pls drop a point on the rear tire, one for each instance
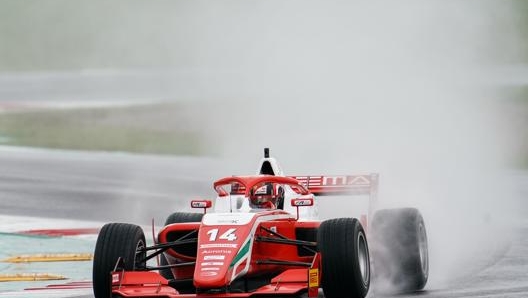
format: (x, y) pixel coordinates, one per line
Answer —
(345, 258)
(116, 240)
(399, 250)
(178, 217)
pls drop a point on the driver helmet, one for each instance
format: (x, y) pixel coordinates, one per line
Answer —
(263, 198)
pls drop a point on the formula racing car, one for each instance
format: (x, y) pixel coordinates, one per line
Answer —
(264, 239)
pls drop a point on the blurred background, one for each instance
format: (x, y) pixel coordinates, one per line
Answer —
(301, 71)
(431, 95)
(271, 65)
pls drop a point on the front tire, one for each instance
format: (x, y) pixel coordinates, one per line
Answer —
(345, 258)
(399, 250)
(116, 240)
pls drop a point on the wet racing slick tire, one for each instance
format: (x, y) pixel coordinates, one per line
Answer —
(116, 240)
(178, 217)
(399, 250)
(344, 257)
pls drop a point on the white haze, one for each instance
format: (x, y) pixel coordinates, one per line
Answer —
(398, 88)
(401, 88)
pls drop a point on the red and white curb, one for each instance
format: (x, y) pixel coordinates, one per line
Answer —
(33, 236)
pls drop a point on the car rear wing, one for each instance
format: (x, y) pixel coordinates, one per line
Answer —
(340, 185)
(344, 185)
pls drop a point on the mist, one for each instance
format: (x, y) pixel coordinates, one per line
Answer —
(403, 90)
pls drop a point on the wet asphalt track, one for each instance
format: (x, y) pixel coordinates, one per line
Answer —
(100, 186)
(120, 187)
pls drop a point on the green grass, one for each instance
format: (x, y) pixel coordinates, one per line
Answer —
(157, 129)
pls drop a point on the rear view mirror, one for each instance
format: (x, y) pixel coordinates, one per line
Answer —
(201, 204)
(301, 202)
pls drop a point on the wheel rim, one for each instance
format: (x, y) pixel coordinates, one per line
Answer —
(363, 258)
(422, 245)
(140, 254)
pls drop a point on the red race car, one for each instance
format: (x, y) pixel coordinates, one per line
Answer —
(264, 239)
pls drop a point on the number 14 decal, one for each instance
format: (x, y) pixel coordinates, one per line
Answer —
(229, 235)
